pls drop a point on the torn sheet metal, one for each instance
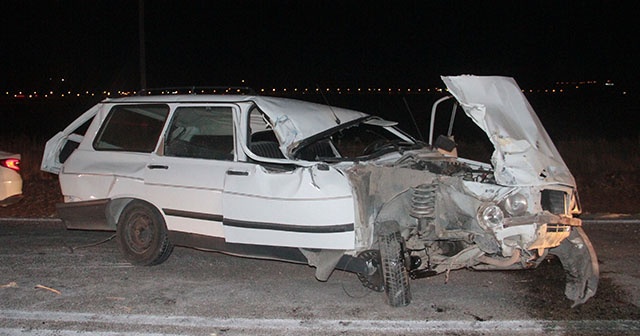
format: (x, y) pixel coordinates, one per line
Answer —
(294, 121)
(524, 153)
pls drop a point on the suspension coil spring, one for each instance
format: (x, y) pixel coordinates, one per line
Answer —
(423, 201)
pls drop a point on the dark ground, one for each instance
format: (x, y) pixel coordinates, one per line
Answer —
(92, 277)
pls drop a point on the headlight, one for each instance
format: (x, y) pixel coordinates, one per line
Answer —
(491, 216)
(516, 205)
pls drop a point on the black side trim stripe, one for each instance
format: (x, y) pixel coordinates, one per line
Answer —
(289, 227)
(192, 215)
(259, 225)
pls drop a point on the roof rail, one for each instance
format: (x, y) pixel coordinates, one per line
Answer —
(195, 90)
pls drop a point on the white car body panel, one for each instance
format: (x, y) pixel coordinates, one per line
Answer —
(189, 185)
(89, 175)
(307, 200)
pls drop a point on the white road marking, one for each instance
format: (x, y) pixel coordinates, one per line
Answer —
(319, 325)
(49, 332)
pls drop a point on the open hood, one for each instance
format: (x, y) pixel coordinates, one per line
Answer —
(524, 153)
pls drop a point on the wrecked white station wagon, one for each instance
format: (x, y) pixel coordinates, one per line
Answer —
(283, 179)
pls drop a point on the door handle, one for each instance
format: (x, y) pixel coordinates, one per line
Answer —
(237, 173)
(157, 166)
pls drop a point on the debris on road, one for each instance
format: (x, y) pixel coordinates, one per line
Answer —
(48, 288)
(12, 284)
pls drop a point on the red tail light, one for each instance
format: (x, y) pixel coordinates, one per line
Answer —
(11, 164)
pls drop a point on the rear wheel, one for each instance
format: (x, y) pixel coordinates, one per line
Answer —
(142, 235)
(394, 271)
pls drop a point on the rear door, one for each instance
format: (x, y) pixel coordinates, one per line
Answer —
(110, 159)
(185, 178)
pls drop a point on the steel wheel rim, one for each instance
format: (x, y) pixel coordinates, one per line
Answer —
(140, 233)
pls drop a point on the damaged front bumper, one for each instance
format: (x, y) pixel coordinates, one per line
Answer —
(557, 235)
(580, 264)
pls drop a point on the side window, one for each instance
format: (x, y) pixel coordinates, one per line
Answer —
(204, 132)
(132, 128)
(262, 140)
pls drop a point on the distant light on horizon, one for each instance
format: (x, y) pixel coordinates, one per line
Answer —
(557, 88)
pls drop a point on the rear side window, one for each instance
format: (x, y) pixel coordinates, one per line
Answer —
(132, 128)
(203, 132)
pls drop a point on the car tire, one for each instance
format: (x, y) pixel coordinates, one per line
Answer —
(394, 270)
(142, 235)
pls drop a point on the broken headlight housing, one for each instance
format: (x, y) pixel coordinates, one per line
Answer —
(490, 216)
(516, 205)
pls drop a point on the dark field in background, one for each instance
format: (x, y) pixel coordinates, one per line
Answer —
(596, 131)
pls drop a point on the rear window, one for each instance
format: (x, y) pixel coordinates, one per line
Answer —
(132, 128)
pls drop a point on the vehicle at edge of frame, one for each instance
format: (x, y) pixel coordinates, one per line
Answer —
(10, 179)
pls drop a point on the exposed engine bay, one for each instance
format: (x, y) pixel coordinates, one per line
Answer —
(458, 217)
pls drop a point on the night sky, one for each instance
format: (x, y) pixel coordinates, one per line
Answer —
(95, 44)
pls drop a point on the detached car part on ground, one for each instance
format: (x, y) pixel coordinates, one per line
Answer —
(10, 179)
(333, 188)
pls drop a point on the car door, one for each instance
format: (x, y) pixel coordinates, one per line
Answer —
(274, 201)
(185, 178)
(109, 161)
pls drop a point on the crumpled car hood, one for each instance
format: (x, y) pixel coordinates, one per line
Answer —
(294, 121)
(524, 153)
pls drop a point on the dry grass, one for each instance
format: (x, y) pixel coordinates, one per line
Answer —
(607, 173)
(586, 156)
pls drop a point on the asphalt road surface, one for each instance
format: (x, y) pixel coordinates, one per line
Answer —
(59, 282)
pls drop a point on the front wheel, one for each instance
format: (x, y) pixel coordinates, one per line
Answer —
(142, 235)
(394, 271)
